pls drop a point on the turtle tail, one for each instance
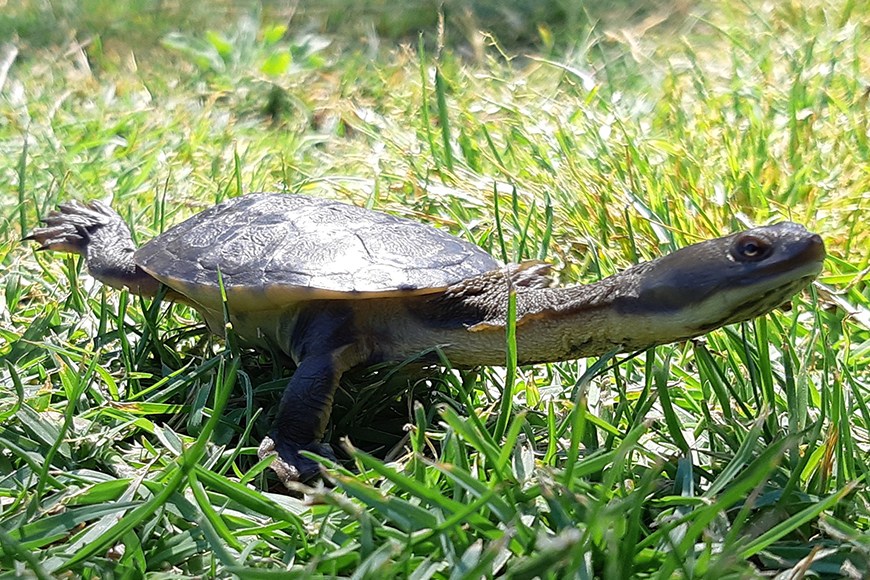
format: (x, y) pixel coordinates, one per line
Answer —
(98, 233)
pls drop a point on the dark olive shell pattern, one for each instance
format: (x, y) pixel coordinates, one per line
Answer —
(294, 247)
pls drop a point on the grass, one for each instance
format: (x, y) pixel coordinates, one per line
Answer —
(128, 436)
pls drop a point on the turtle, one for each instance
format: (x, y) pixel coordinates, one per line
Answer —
(336, 287)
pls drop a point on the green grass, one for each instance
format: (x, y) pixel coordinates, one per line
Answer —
(128, 434)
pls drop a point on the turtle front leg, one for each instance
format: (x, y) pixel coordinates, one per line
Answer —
(304, 413)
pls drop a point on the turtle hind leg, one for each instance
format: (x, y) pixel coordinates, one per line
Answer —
(98, 233)
(289, 464)
(304, 412)
(68, 228)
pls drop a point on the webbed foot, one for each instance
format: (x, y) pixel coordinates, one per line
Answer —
(290, 465)
(67, 229)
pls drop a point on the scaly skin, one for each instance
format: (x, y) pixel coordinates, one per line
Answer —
(678, 296)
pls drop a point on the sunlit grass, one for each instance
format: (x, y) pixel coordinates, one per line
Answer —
(742, 453)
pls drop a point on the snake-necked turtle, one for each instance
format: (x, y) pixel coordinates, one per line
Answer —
(337, 286)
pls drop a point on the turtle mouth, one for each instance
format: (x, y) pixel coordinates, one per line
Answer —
(762, 288)
(699, 292)
(804, 260)
(780, 279)
(760, 304)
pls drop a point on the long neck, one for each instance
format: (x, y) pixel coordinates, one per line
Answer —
(677, 296)
(556, 324)
(552, 323)
(567, 323)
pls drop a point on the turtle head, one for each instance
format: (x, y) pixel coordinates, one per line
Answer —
(725, 280)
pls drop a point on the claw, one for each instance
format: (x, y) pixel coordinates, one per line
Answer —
(67, 228)
(289, 465)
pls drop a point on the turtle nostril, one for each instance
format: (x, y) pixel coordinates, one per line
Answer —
(816, 247)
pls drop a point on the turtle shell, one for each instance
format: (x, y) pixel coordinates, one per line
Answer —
(273, 250)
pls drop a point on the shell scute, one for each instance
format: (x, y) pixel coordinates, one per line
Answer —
(274, 249)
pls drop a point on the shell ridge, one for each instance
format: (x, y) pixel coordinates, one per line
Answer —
(285, 248)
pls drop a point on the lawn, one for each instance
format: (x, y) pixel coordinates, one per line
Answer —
(591, 137)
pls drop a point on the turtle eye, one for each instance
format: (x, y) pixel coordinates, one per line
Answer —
(750, 248)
